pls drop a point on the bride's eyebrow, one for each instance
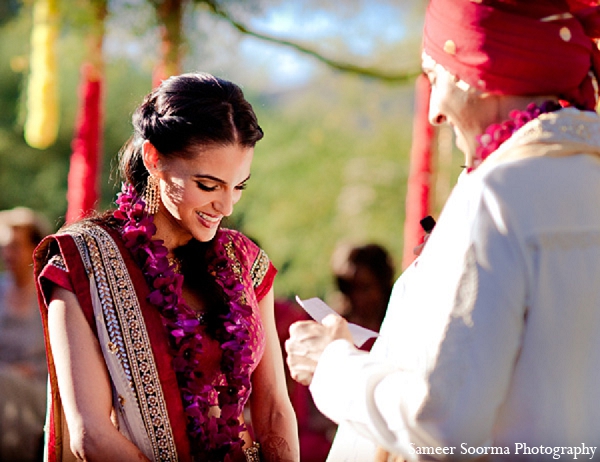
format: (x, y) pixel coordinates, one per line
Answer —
(209, 177)
(215, 179)
(246, 179)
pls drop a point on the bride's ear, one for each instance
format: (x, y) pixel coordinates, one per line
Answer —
(150, 157)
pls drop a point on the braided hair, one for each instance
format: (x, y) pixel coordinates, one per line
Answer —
(186, 111)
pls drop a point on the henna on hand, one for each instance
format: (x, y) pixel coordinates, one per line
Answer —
(274, 448)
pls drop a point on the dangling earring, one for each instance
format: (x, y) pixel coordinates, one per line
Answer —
(151, 195)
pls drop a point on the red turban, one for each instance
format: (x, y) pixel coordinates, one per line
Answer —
(518, 47)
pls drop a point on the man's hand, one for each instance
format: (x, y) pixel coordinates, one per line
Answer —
(307, 341)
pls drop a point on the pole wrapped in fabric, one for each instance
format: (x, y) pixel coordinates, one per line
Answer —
(82, 193)
(419, 180)
(84, 173)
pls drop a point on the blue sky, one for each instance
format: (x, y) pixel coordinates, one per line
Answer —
(293, 21)
(361, 32)
(352, 30)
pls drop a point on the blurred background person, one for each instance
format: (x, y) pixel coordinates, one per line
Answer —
(364, 276)
(23, 371)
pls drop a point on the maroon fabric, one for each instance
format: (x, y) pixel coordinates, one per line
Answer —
(518, 48)
(162, 355)
(248, 253)
(79, 282)
(76, 280)
(52, 274)
(73, 279)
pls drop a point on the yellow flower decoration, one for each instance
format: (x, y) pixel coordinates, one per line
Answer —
(41, 125)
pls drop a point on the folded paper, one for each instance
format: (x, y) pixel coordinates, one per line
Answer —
(318, 309)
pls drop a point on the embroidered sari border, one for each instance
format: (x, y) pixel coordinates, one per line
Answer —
(128, 341)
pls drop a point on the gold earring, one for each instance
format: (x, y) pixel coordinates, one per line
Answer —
(151, 195)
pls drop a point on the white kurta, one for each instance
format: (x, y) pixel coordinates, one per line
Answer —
(493, 337)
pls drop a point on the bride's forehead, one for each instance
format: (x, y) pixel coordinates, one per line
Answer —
(218, 158)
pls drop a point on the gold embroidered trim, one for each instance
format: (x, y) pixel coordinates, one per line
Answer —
(83, 252)
(58, 262)
(236, 266)
(259, 268)
(128, 336)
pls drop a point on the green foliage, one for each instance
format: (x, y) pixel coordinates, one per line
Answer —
(8, 9)
(38, 178)
(333, 164)
(27, 176)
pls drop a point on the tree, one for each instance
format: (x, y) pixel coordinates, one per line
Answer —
(325, 140)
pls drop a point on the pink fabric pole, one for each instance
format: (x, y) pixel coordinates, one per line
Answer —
(82, 192)
(419, 180)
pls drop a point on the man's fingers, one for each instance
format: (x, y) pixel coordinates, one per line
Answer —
(301, 329)
(300, 364)
(306, 343)
(337, 328)
(333, 320)
(294, 347)
(302, 377)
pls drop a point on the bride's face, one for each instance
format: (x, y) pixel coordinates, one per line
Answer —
(198, 192)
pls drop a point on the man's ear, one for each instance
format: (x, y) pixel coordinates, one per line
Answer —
(150, 157)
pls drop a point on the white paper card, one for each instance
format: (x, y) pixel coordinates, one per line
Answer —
(318, 309)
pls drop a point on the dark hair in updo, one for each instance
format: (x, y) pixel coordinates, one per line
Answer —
(183, 112)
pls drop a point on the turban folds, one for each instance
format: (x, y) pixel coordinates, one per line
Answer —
(518, 47)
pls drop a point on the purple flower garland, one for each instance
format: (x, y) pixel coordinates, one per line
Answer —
(212, 438)
(496, 134)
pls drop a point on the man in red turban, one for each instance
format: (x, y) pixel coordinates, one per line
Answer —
(515, 47)
(541, 51)
(491, 343)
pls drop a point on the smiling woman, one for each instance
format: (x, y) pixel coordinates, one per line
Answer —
(197, 193)
(159, 322)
